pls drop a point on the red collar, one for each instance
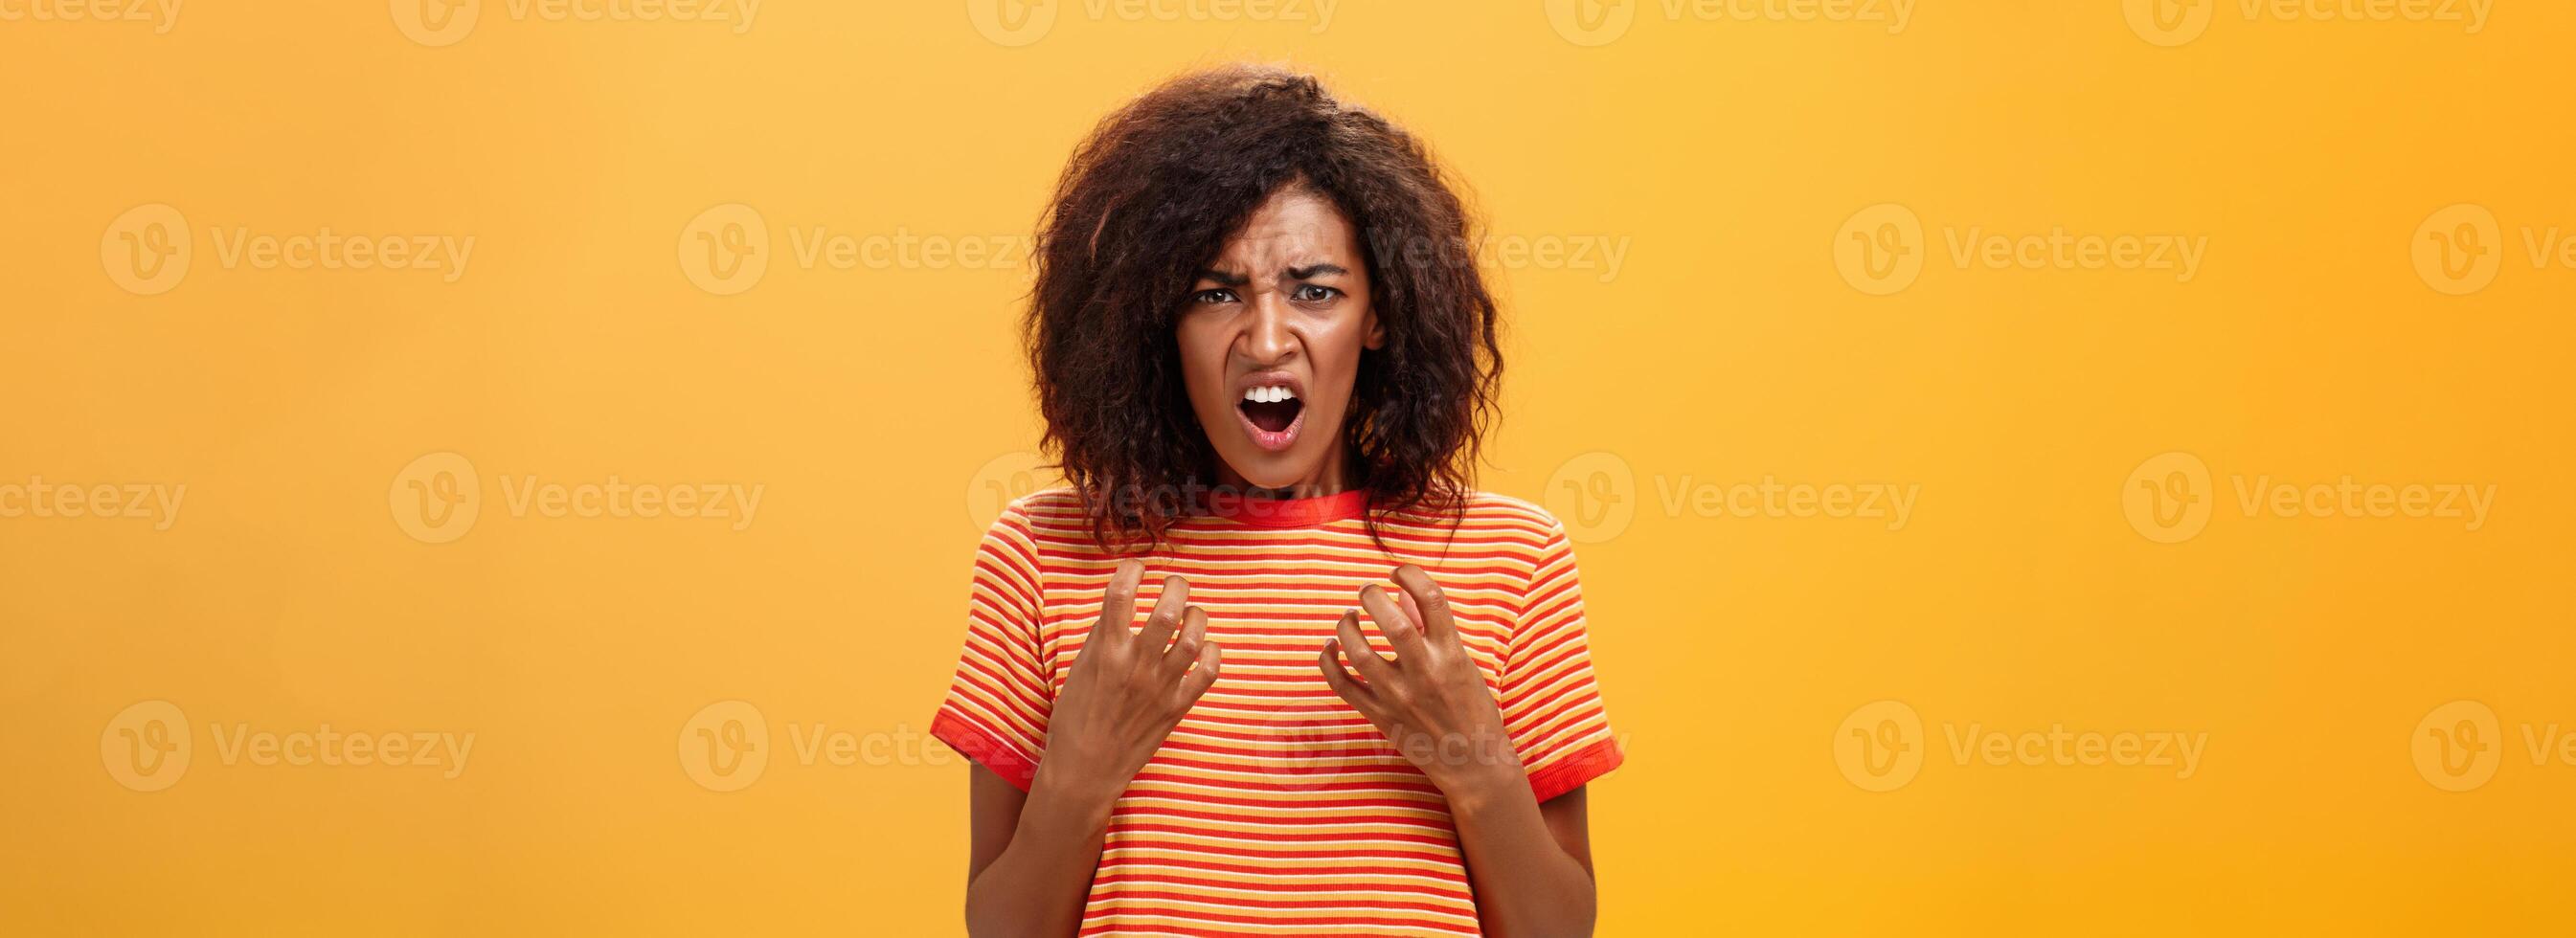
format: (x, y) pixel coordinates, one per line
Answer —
(1293, 512)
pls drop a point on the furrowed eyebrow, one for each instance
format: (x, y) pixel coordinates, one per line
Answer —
(1311, 272)
(1223, 278)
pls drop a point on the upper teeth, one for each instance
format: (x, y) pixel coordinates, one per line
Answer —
(1269, 395)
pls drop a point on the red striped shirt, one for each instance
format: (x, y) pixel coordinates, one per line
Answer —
(1275, 808)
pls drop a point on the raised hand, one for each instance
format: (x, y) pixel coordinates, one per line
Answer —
(1128, 688)
(1430, 700)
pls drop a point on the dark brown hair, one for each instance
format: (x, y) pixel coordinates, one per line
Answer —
(1151, 196)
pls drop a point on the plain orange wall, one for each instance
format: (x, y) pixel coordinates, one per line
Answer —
(1741, 244)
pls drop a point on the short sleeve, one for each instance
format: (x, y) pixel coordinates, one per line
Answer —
(1551, 705)
(998, 702)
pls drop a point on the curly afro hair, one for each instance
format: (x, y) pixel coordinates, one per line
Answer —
(1151, 196)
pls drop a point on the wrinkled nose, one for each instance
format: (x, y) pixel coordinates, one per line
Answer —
(1267, 340)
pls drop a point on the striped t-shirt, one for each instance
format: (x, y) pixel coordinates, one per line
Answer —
(1275, 808)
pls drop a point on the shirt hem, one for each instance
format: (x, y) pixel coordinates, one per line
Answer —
(984, 748)
(1572, 772)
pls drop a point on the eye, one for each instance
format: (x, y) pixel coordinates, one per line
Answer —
(1314, 293)
(1212, 297)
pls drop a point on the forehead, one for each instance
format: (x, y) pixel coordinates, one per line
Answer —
(1292, 227)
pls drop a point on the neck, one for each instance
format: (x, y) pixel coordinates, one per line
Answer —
(1332, 476)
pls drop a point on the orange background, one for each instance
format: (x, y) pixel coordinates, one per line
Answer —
(1728, 152)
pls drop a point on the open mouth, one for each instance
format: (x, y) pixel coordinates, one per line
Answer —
(1273, 412)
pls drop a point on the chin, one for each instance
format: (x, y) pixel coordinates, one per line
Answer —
(1273, 470)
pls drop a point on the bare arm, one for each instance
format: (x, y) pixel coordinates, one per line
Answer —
(1530, 863)
(1033, 854)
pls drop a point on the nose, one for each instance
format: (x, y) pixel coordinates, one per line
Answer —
(1267, 338)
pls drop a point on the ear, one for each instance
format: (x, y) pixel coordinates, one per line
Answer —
(1376, 333)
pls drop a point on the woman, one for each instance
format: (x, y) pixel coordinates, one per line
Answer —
(1359, 699)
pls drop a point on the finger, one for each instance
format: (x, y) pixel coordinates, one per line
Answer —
(1429, 605)
(1185, 649)
(1117, 603)
(1373, 669)
(1400, 630)
(1350, 689)
(1203, 673)
(1167, 615)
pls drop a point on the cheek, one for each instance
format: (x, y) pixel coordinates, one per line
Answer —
(1337, 349)
(1202, 357)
